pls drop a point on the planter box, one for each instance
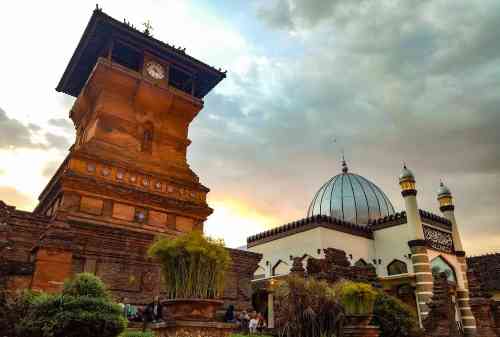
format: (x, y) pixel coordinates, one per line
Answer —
(193, 329)
(191, 309)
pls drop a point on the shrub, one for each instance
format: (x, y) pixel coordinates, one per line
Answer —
(193, 266)
(12, 309)
(394, 318)
(357, 298)
(83, 309)
(307, 308)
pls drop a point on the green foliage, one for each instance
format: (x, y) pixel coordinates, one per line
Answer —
(12, 309)
(137, 334)
(395, 318)
(83, 309)
(307, 308)
(85, 284)
(239, 335)
(356, 298)
(193, 266)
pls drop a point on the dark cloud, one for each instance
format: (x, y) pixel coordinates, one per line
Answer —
(14, 134)
(57, 141)
(391, 81)
(62, 123)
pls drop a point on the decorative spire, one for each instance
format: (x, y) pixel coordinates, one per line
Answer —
(147, 28)
(345, 169)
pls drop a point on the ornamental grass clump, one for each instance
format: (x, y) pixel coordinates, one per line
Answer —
(307, 308)
(193, 266)
(356, 298)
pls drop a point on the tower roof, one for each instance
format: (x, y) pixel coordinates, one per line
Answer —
(103, 31)
(406, 174)
(351, 197)
(443, 190)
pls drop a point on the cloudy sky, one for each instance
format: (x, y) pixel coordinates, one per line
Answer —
(390, 81)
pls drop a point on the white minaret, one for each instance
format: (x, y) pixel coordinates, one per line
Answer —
(409, 192)
(446, 206)
(448, 209)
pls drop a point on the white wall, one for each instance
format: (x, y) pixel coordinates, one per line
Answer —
(357, 246)
(298, 244)
(308, 243)
(392, 243)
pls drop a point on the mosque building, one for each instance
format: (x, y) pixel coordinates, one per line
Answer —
(352, 214)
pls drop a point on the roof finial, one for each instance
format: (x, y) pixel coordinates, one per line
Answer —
(344, 164)
(147, 28)
(404, 164)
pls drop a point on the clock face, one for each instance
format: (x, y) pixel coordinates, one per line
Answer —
(155, 70)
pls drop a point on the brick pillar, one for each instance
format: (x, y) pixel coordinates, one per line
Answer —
(53, 258)
(466, 315)
(423, 276)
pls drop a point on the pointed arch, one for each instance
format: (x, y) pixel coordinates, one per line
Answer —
(397, 267)
(440, 264)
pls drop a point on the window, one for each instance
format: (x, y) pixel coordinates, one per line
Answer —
(440, 265)
(397, 267)
(147, 138)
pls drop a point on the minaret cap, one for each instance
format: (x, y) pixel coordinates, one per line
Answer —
(407, 182)
(445, 198)
(406, 175)
(443, 191)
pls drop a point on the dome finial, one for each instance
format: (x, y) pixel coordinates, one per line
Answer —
(344, 164)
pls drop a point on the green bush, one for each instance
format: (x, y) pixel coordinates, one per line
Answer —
(83, 309)
(357, 298)
(137, 334)
(307, 308)
(193, 266)
(395, 318)
(12, 309)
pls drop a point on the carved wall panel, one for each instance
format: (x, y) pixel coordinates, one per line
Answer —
(438, 239)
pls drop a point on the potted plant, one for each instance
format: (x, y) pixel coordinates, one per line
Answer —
(193, 270)
(358, 300)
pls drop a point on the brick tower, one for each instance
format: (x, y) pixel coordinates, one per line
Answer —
(135, 99)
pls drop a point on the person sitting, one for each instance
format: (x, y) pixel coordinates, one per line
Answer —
(261, 324)
(252, 325)
(244, 320)
(153, 311)
(229, 317)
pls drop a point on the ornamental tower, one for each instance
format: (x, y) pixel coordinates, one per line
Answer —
(446, 205)
(135, 99)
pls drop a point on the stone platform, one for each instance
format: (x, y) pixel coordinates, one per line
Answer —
(192, 329)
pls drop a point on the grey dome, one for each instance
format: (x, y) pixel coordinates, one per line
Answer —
(350, 197)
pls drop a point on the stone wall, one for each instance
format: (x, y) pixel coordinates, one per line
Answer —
(117, 255)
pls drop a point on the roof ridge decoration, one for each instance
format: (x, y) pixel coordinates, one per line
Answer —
(431, 216)
(316, 219)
